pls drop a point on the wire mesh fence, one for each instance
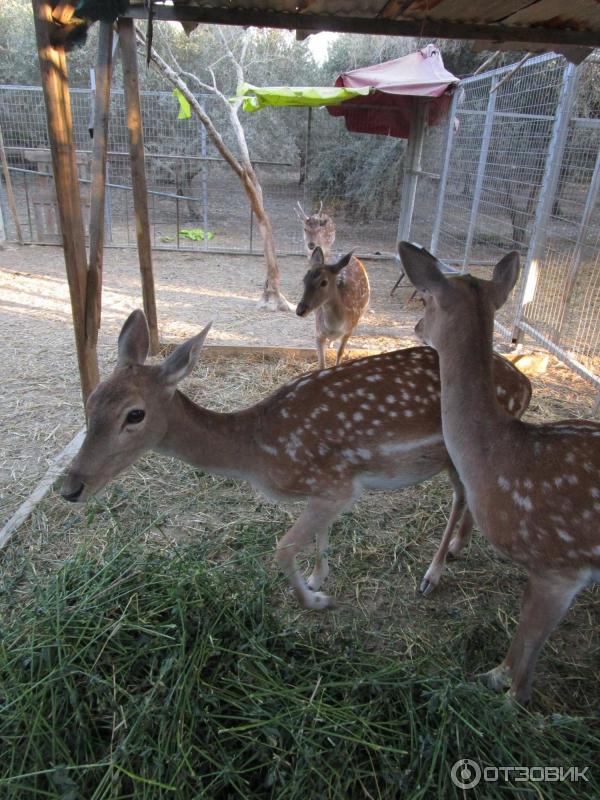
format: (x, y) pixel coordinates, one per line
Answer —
(516, 166)
(521, 171)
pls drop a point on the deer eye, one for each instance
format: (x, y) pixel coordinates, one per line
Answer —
(135, 416)
(323, 283)
(322, 222)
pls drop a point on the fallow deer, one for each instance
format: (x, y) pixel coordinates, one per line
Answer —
(338, 293)
(319, 230)
(534, 490)
(325, 437)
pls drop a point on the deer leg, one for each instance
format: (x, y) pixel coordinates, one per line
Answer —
(546, 600)
(314, 521)
(321, 568)
(321, 346)
(463, 537)
(340, 349)
(435, 569)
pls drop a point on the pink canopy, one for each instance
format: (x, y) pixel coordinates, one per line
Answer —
(397, 83)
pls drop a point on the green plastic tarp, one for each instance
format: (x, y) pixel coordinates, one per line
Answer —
(257, 97)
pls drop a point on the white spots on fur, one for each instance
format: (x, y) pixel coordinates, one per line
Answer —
(572, 480)
(390, 399)
(408, 413)
(522, 501)
(500, 391)
(373, 378)
(558, 482)
(570, 458)
(294, 444)
(272, 451)
(358, 416)
(511, 404)
(566, 537)
(284, 413)
(595, 492)
(503, 483)
(341, 415)
(393, 414)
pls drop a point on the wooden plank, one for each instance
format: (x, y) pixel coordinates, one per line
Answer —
(127, 43)
(424, 28)
(9, 190)
(53, 67)
(93, 300)
(42, 489)
(302, 353)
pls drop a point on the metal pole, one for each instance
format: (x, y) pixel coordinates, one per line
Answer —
(204, 184)
(307, 155)
(483, 154)
(435, 234)
(412, 166)
(554, 159)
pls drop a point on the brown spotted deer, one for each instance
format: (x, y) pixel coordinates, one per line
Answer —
(325, 437)
(338, 293)
(534, 490)
(319, 230)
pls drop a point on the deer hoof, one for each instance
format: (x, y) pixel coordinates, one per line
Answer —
(496, 679)
(427, 586)
(319, 601)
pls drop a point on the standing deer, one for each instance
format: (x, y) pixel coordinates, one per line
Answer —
(338, 293)
(325, 437)
(534, 490)
(319, 230)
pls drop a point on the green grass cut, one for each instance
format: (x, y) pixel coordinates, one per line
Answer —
(143, 674)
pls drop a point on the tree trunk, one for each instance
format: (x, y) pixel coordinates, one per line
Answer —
(272, 298)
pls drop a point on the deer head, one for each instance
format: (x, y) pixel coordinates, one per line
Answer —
(457, 296)
(319, 230)
(127, 412)
(320, 282)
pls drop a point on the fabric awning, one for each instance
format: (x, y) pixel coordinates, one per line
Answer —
(395, 84)
(257, 97)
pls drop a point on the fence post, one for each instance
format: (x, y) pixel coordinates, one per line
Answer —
(590, 202)
(412, 166)
(127, 43)
(481, 166)
(546, 197)
(437, 223)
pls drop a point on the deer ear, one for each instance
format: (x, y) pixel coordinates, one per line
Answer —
(339, 265)
(506, 273)
(183, 359)
(422, 268)
(317, 259)
(134, 340)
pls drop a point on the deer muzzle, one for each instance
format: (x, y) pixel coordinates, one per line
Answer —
(301, 309)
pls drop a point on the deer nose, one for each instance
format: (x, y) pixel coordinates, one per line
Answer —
(301, 309)
(72, 494)
(311, 245)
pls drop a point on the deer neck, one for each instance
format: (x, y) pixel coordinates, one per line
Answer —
(471, 416)
(215, 442)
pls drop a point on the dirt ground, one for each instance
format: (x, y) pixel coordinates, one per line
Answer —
(40, 408)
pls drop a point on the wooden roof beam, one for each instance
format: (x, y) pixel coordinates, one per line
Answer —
(439, 29)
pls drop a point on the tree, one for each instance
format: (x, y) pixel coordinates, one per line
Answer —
(272, 297)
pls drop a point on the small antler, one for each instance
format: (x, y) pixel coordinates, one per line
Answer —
(303, 216)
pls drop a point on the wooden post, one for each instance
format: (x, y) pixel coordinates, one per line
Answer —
(127, 43)
(53, 67)
(93, 302)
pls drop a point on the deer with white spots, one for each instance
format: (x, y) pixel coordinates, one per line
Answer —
(325, 437)
(534, 490)
(318, 229)
(338, 293)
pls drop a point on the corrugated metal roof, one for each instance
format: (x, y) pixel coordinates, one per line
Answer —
(545, 22)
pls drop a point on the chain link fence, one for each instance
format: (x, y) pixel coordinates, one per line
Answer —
(516, 166)
(520, 169)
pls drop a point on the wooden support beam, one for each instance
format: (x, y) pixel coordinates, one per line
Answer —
(53, 67)
(224, 14)
(127, 42)
(93, 301)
